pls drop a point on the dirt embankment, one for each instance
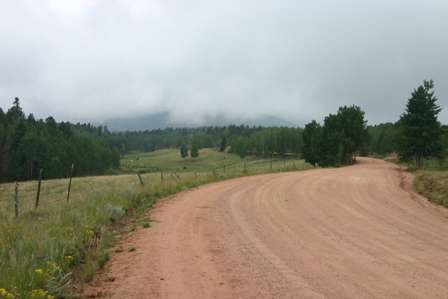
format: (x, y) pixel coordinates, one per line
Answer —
(351, 232)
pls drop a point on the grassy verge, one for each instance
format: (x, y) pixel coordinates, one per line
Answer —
(433, 184)
(431, 181)
(43, 251)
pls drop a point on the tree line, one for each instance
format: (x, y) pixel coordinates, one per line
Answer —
(28, 145)
(151, 140)
(416, 136)
(269, 142)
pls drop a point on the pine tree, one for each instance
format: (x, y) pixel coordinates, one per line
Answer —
(15, 113)
(342, 135)
(420, 130)
(353, 129)
(183, 151)
(311, 142)
(27, 144)
(194, 152)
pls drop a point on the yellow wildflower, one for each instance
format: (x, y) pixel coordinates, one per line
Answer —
(40, 294)
(68, 258)
(53, 267)
(39, 271)
(4, 294)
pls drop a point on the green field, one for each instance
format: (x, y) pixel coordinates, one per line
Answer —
(168, 161)
(43, 251)
(208, 160)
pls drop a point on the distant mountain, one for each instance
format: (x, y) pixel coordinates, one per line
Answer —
(163, 120)
(140, 123)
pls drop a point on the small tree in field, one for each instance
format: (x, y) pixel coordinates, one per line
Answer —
(194, 152)
(183, 151)
(420, 131)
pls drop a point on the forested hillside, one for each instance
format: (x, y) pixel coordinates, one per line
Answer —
(28, 145)
(242, 140)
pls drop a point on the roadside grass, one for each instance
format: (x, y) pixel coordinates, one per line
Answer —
(431, 180)
(433, 184)
(43, 251)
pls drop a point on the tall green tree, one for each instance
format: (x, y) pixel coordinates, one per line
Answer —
(311, 142)
(194, 151)
(183, 150)
(420, 130)
(337, 142)
(3, 144)
(353, 129)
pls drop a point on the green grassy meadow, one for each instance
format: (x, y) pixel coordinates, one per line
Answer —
(44, 252)
(208, 160)
(170, 160)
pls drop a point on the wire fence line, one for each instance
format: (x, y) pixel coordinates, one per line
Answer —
(21, 197)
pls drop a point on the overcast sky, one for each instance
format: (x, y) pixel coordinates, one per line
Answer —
(299, 60)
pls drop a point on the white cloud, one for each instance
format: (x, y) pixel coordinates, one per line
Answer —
(295, 59)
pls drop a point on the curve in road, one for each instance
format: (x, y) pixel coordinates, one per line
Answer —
(352, 232)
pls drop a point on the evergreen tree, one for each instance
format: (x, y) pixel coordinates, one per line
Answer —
(15, 113)
(336, 143)
(194, 152)
(353, 131)
(311, 142)
(183, 150)
(27, 144)
(3, 144)
(331, 146)
(420, 130)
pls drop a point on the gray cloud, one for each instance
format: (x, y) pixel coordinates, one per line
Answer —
(91, 60)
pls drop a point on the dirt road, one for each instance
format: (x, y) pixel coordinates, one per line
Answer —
(351, 232)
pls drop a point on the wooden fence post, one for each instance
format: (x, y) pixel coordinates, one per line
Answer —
(70, 182)
(161, 176)
(16, 199)
(140, 179)
(38, 189)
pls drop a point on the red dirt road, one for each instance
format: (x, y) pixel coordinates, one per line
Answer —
(352, 232)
